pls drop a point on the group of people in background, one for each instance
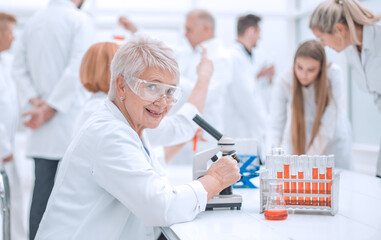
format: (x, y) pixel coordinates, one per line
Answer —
(74, 92)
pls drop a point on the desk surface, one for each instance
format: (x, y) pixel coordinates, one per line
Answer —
(359, 215)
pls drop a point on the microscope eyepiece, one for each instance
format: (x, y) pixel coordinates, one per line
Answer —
(207, 127)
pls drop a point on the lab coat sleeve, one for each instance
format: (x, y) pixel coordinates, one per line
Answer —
(175, 129)
(5, 145)
(21, 74)
(123, 170)
(64, 92)
(328, 123)
(281, 95)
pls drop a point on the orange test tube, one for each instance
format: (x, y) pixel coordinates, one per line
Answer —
(315, 176)
(308, 176)
(294, 168)
(322, 165)
(301, 160)
(286, 175)
(330, 164)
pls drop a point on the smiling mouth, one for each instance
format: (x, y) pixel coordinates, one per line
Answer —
(152, 112)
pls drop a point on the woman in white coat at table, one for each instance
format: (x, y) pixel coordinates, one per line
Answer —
(307, 114)
(110, 184)
(344, 25)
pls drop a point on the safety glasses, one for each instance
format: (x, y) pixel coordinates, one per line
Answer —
(154, 91)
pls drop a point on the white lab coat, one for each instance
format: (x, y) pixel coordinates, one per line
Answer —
(8, 108)
(245, 112)
(109, 187)
(17, 169)
(334, 136)
(366, 69)
(174, 129)
(216, 99)
(47, 65)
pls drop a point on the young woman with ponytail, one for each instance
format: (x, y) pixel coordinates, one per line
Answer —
(307, 114)
(345, 25)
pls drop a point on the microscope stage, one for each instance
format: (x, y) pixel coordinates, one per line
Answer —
(225, 201)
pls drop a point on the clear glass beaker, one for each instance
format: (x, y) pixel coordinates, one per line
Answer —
(275, 206)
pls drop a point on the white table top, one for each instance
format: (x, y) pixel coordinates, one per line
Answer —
(359, 215)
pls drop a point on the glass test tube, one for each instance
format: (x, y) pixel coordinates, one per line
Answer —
(308, 176)
(294, 169)
(286, 175)
(330, 165)
(315, 176)
(301, 160)
(279, 167)
(322, 166)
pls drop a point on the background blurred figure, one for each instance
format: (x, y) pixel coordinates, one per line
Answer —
(9, 118)
(95, 77)
(245, 107)
(307, 109)
(199, 29)
(46, 68)
(344, 25)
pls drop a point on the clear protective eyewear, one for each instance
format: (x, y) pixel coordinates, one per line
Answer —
(154, 91)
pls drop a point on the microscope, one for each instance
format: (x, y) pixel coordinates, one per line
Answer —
(225, 145)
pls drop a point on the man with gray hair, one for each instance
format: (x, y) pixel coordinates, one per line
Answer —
(46, 72)
(200, 31)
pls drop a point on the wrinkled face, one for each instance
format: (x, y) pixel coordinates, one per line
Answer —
(334, 41)
(6, 37)
(306, 70)
(194, 31)
(148, 114)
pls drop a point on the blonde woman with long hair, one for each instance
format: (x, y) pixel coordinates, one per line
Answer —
(345, 25)
(307, 114)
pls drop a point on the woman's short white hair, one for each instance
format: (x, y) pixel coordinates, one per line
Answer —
(138, 55)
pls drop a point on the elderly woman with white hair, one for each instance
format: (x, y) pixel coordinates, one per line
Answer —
(109, 184)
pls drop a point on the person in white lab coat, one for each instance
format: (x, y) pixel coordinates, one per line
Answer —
(307, 114)
(245, 109)
(344, 25)
(95, 77)
(45, 70)
(109, 184)
(199, 27)
(9, 117)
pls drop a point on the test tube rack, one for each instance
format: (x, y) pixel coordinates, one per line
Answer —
(334, 195)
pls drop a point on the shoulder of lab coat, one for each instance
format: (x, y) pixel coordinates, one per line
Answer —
(108, 153)
(67, 86)
(175, 129)
(281, 97)
(8, 107)
(366, 70)
(91, 105)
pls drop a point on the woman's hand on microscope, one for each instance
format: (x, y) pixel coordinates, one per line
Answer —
(220, 175)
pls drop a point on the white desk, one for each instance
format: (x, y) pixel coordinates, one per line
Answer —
(359, 215)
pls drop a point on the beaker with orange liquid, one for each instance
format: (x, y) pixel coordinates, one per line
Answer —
(275, 209)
